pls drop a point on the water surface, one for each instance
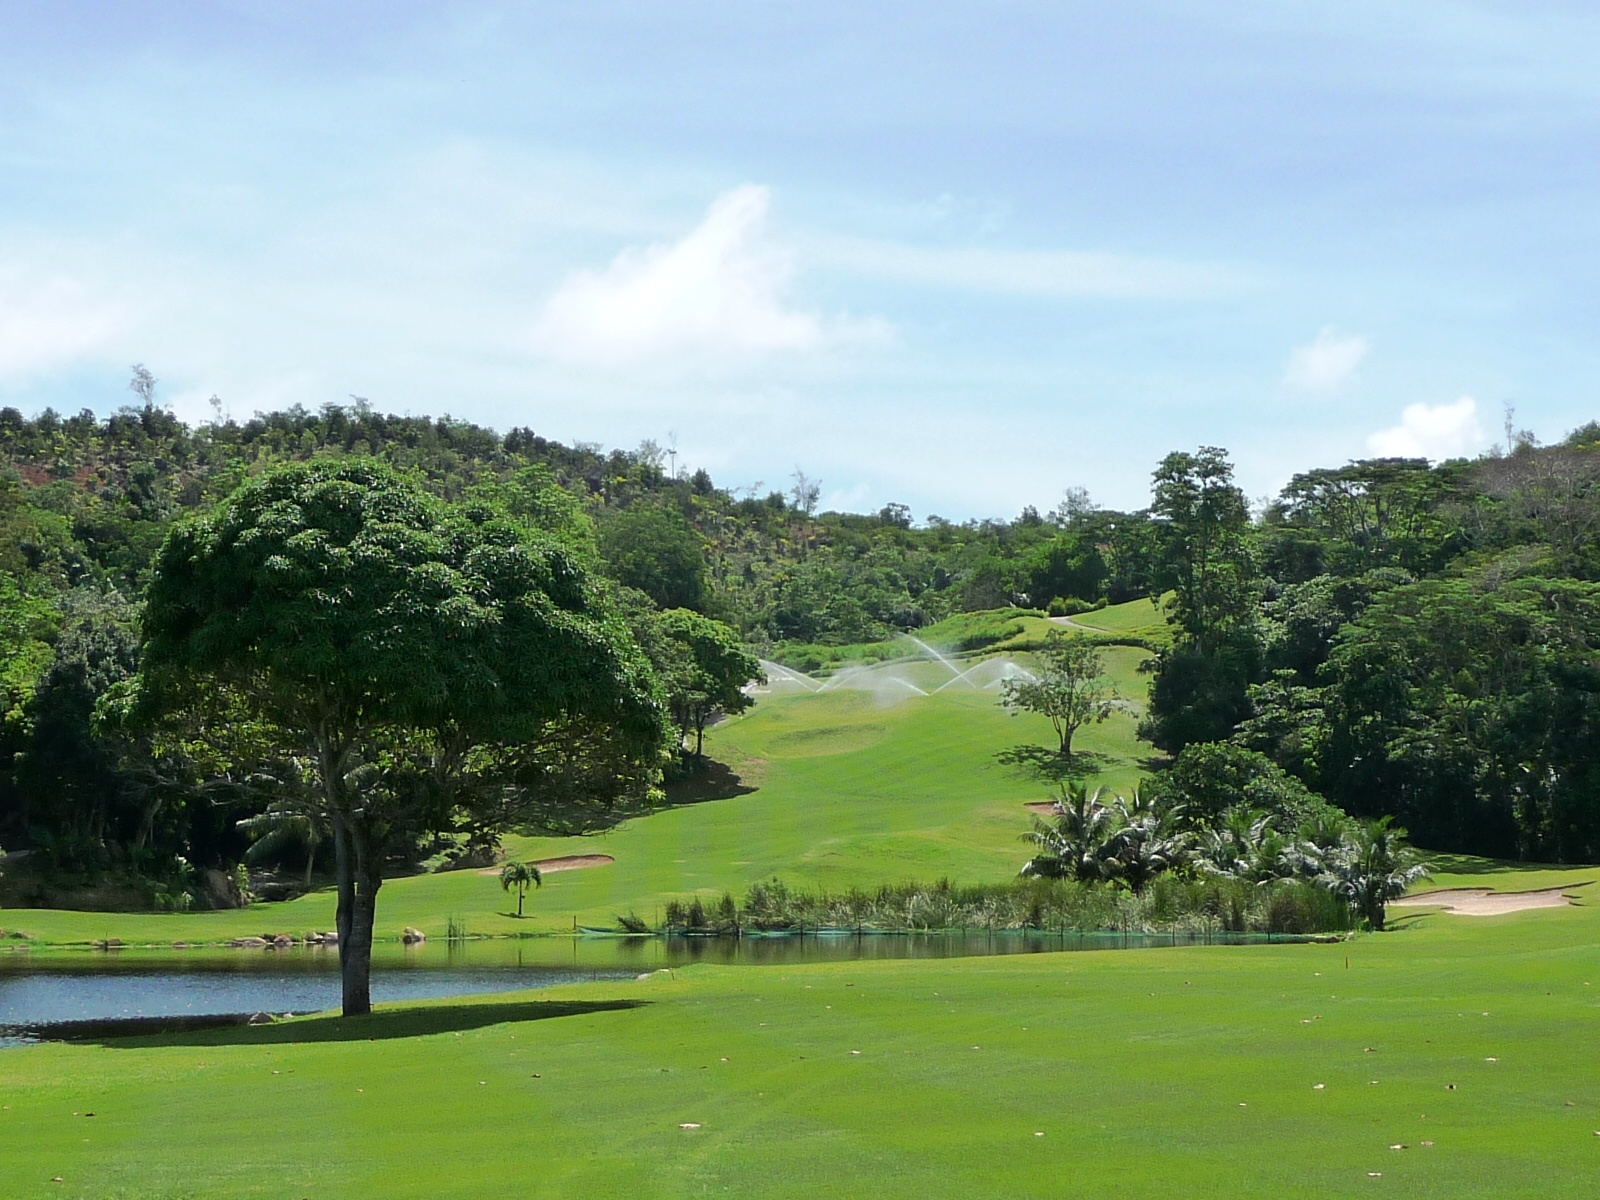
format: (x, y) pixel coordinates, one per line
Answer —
(56, 986)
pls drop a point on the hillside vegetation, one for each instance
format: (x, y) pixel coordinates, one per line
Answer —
(1398, 638)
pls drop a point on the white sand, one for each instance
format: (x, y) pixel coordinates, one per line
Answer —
(567, 862)
(1485, 902)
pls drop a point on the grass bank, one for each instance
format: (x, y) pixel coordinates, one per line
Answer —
(834, 790)
(1253, 1072)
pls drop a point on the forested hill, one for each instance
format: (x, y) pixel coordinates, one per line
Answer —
(1402, 638)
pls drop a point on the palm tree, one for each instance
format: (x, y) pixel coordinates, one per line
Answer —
(280, 826)
(1074, 844)
(1146, 841)
(1229, 847)
(1246, 844)
(1371, 866)
(520, 876)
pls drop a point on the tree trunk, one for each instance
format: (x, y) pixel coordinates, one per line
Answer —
(355, 950)
(147, 823)
(521, 892)
(345, 880)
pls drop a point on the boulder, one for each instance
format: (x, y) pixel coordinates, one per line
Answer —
(249, 943)
(412, 936)
(221, 889)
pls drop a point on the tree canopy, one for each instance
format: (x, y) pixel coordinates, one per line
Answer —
(406, 647)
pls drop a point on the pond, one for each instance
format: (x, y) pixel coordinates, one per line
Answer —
(51, 987)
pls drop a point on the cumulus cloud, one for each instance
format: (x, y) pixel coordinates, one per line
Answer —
(1327, 362)
(51, 321)
(716, 295)
(1436, 431)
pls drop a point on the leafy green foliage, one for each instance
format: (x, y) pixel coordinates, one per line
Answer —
(1468, 708)
(418, 655)
(1371, 866)
(705, 671)
(1209, 779)
(1070, 689)
(652, 548)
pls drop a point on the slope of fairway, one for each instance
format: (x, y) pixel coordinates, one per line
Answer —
(838, 788)
(1453, 1059)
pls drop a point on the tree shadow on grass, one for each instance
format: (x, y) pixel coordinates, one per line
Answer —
(386, 1024)
(1441, 863)
(1050, 766)
(712, 780)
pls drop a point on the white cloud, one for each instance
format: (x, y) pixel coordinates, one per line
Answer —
(714, 296)
(1327, 362)
(1436, 431)
(48, 322)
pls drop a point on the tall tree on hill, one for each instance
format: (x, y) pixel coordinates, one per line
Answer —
(1202, 525)
(708, 674)
(1070, 690)
(407, 648)
(652, 548)
(1383, 512)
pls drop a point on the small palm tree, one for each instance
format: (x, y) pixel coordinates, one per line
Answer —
(1145, 843)
(1371, 866)
(1074, 844)
(1246, 844)
(520, 876)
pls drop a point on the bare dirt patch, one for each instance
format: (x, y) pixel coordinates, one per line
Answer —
(1486, 902)
(1043, 807)
(567, 862)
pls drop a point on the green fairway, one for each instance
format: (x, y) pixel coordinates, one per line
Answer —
(1148, 1073)
(839, 788)
(1176, 1072)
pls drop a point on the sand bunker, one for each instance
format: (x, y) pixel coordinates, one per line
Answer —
(567, 862)
(1486, 902)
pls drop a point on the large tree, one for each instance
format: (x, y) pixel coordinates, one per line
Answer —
(708, 670)
(409, 649)
(1202, 523)
(653, 548)
(1202, 526)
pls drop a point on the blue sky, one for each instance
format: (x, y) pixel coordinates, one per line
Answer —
(957, 256)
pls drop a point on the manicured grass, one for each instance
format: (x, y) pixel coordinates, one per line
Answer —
(1163, 1073)
(1137, 617)
(849, 788)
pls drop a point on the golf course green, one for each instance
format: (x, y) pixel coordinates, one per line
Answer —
(853, 786)
(1239, 1072)
(1450, 1057)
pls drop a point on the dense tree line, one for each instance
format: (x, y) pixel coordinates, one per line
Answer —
(1405, 639)
(1397, 637)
